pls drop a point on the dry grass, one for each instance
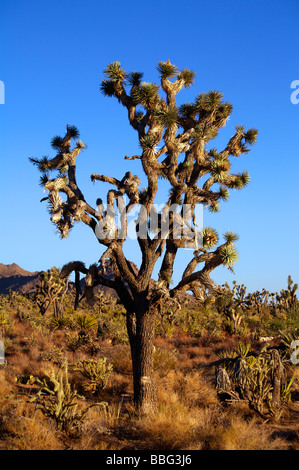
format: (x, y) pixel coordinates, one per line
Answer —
(189, 415)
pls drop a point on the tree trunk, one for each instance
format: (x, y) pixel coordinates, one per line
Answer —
(141, 329)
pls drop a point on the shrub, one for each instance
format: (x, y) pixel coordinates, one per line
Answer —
(96, 372)
(58, 401)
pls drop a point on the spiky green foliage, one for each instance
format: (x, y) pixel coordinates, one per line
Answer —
(223, 193)
(209, 237)
(214, 207)
(188, 76)
(73, 131)
(225, 109)
(56, 142)
(166, 69)
(97, 373)
(168, 117)
(146, 94)
(250, 136)
(43, 180)
(229, 255)
(58, 401)
(242, 180)
(134, 78)
(107, 88)
(42, 164)
(203, 132)
(209, 101)
(219, 168)
(231, 237)
(114, 72)
(86, 322)
(147, 143)
(187, 110)
(80, 144)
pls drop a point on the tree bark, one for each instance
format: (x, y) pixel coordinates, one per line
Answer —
(141, 329)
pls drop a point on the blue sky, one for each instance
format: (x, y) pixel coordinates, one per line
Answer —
(52, 59)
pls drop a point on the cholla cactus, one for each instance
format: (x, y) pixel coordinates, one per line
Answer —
(259, 379)
(58, 401)
(96, 371)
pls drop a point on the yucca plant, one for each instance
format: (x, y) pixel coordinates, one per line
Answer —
(60, 321)
(85, 321)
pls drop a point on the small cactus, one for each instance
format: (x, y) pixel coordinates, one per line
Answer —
(57, 400)
(97, 373)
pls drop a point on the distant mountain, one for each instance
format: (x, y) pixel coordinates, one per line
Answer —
(13, 277)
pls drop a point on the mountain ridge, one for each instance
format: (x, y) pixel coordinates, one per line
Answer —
(15, 278)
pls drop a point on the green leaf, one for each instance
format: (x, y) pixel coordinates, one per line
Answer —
(56, 142)
(231, 237)
(250, 136)
(241, 180)
(188, 76)
(225, 109)
(114, 72)
(44, 164)
(229, 255)
(223, 193)
(166, 69)
(134, 78)
(107, 88)
(147, 143)
(245, 178)
(43, 180)
(80, 145)
(168, 117)
(146, 94)
(73, 131)
(187, 110)
(209, 237)
(214, 207)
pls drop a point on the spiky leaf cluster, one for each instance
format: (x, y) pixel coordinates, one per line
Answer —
(209, 237)
(229, 255)
(231, 237)
(167, 117)
(146, 94)
(187, 76)
(167, 70)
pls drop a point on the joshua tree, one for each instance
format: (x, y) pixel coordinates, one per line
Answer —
(51, 291)
(173, 145)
